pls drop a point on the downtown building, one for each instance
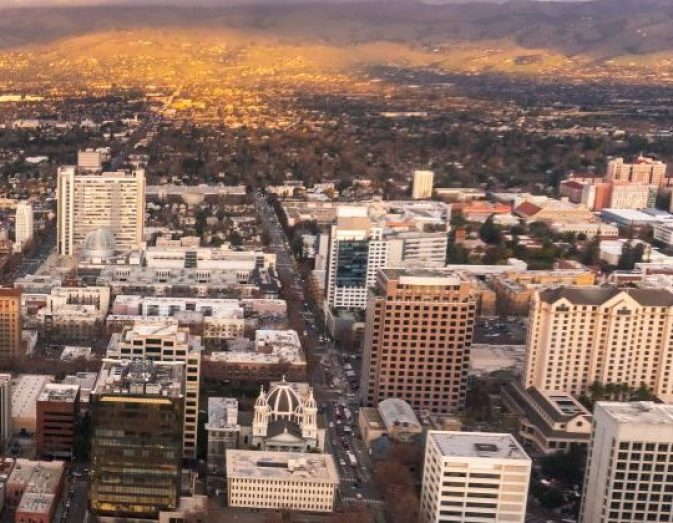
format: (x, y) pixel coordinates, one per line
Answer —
(166, 343)
(23, 225)
(361, 245)
(11, 323)
(136, 445)
(110, 204)
(472, 477)
(629, 473)
(418, 334)
(581, 335)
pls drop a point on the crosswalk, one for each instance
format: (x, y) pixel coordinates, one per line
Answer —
(363, 499)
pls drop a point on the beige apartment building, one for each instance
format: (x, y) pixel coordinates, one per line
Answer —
(643, 170)
(422, 185)
(90, 202)
(166, 343)
(417, 339)
(10, 323)
(579, 335)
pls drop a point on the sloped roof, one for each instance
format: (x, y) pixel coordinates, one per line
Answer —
(599, 295)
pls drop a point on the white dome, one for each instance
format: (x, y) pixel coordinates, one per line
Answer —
(100, 243)
(284, 401)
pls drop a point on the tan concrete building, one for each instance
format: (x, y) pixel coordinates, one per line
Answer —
(643, 170)
(113, 201)
(417, 340)
(281, 480)
(579, 335)
(422, 185)
(10, 323)
(166, 343)
(515, 290)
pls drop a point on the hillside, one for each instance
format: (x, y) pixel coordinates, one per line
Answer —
(314, 44)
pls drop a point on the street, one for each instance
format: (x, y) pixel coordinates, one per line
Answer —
(339, 404)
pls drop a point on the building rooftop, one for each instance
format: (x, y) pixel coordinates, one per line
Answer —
(599, 295)
(25, 390)
(39, 481)
(298, 466)
(645, 412)
(71, 353)
(59, 392)
(270, 346)
(478, 445)
(140, 377)
(397, 413)
(222, 413)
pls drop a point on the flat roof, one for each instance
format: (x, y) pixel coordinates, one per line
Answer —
(59, 392)
(478, 445)
(638, 412)
(25, 390)
(298, 466)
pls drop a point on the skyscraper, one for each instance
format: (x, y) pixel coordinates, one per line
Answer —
(5, 409)
(629, 474)
(87, 202)
(137, 438)
(360, 246)
(167, 343)
(422, 185)
(580, 335)
(11, 323)
(23, 223)
(474, 477)
(418, 334)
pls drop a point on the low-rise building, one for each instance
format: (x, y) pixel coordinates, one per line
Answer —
(302, 482)
(26, 388)
(223, 431)
(33, 490)
(273, 354)
(549, 422)
(393, 418)
(57, 411)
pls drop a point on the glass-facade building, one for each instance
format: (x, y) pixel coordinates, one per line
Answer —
(137, 439)
(353, 257)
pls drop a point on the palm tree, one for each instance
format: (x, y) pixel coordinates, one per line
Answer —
(597, 391)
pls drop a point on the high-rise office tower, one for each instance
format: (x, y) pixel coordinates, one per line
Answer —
(643, 170)
(112, 202)
(418, 334)
(360, 246)
(470, 477)
(136, 447)
(11, 323)
(23, 223)
(629, 473)
(166, 343)
(581, 335)
(422, 185)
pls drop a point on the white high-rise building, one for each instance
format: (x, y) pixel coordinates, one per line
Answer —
(23, 223)
(629, 474)
(470, 477)
(113, 201)
(166, 343)
(360, 246)
(422, 185)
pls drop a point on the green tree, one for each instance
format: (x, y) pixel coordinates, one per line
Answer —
(489, 232)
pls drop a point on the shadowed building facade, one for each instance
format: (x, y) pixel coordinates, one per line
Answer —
(137, 438)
